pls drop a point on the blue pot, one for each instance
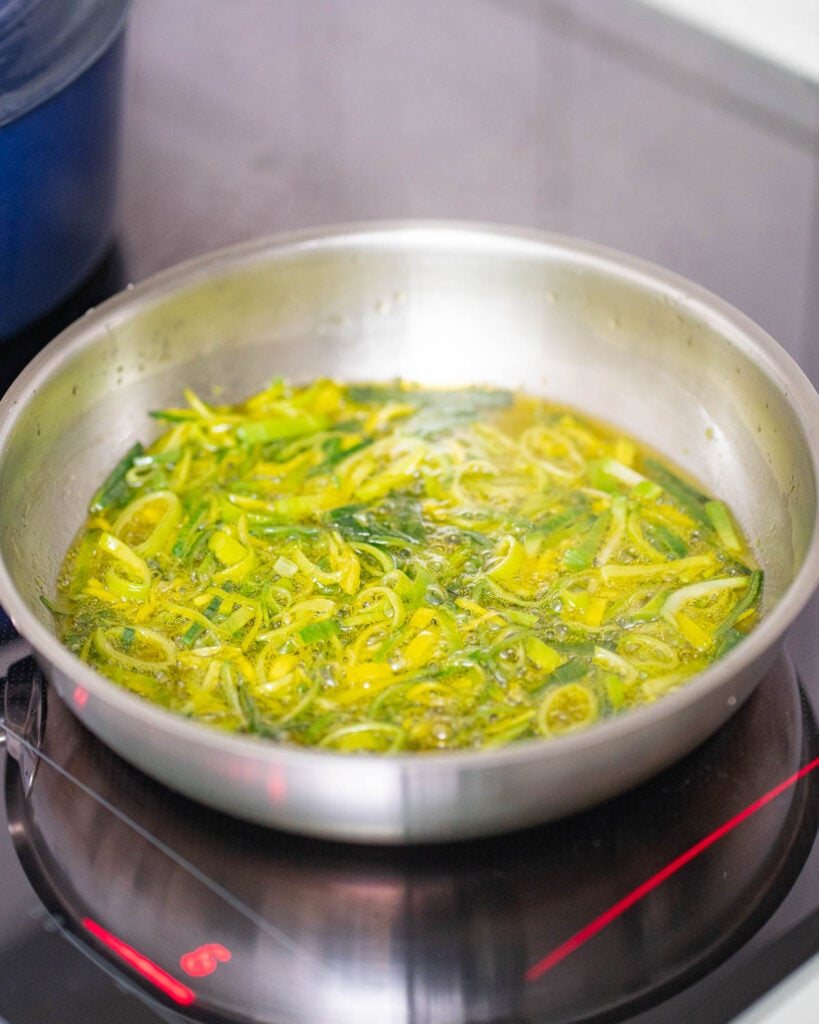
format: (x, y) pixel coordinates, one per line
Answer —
(61, 64)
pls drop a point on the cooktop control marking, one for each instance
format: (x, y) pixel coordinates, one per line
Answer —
(616, 910)
(147, 968)
(204, 960)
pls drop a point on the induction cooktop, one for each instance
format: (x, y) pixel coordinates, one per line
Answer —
(698, 884)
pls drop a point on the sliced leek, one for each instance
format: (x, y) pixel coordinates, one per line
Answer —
(379, 568)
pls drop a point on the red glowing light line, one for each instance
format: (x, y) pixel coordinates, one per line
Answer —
(147, 968)
(616, 910)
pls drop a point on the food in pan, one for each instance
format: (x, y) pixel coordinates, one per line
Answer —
(368, 567)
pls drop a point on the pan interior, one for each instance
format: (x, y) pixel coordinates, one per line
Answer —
(441, 308)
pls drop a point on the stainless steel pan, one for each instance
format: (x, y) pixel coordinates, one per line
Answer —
(443, 304)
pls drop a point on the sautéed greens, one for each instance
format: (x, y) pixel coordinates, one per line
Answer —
(368, 567)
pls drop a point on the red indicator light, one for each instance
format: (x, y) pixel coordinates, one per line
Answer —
(80, 696)
(204, 960)
(599, 923)
(147, 968)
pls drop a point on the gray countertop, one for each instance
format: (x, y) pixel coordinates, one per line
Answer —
(608, 121)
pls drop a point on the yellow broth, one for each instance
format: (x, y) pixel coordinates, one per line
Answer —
(386, 568)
